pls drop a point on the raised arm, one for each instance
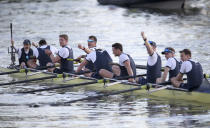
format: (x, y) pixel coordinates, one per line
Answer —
(147, 44)
(86, 50)
(35, 45)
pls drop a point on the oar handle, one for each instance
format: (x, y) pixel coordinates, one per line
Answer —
(60, 87)
(145, 67)
(76, 60)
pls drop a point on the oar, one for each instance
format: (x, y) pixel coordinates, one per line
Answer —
(26, 70)
(70, 86)
(109, 94)
(12, 72)
(120, 80)
(64, 75)
(59, 87)
(145, 67)
(12, 52)
(30, 80)
(76, 60)
(46, 67)
(100, 96)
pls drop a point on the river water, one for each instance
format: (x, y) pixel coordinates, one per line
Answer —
(81, 18)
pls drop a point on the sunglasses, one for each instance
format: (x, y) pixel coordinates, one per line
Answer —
(90, 40)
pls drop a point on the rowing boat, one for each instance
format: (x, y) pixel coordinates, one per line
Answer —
(168, 93)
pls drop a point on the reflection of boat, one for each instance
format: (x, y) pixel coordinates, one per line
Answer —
(153, 4)
(198, 96)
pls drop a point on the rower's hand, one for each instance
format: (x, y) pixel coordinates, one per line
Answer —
(35, 44)
(79, 59)
(131, 80)
(50, 65)
(48, 52)
(22, 65)
(143, 36)
(159, 80)
(80, 46)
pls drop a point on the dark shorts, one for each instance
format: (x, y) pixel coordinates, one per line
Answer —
(184, 86)
(142, 80)
(60, 71)
(89, 67)
(188, 87)
(124, 73)
(96, 75)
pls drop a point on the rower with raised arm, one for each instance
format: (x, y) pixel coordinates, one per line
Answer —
(126, 65)
(101, 61)
(153, 63)
(43, 58)
(192, 69)
(27, 56)
(92, 41)
(172, 65)
(62, 57)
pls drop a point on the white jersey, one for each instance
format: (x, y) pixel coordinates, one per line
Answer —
(152, 59)
(122, 58)
(171, 63)
(35, 52)
(64, 52)
(186, 67)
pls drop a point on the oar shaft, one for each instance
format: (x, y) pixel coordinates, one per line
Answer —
(29, 80)
(60, 87)
(145, 67)
(5, 73)
(103, 95)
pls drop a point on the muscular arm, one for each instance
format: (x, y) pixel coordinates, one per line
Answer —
(86, 50)
(128, 67)
(84, 62)
(147, 44)
(55, 59)
(165, 74)
(179, 77)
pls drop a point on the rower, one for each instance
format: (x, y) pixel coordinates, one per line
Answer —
(101, 60)
(42, 56)
(92, 40)
(172, 65)
(126, 65)
(192, 69)
(64, 54)
(27, 56)
(153, 63)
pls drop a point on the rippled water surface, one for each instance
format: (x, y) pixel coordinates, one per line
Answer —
(80, 18)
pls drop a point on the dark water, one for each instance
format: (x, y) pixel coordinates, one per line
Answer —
(79, 19)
